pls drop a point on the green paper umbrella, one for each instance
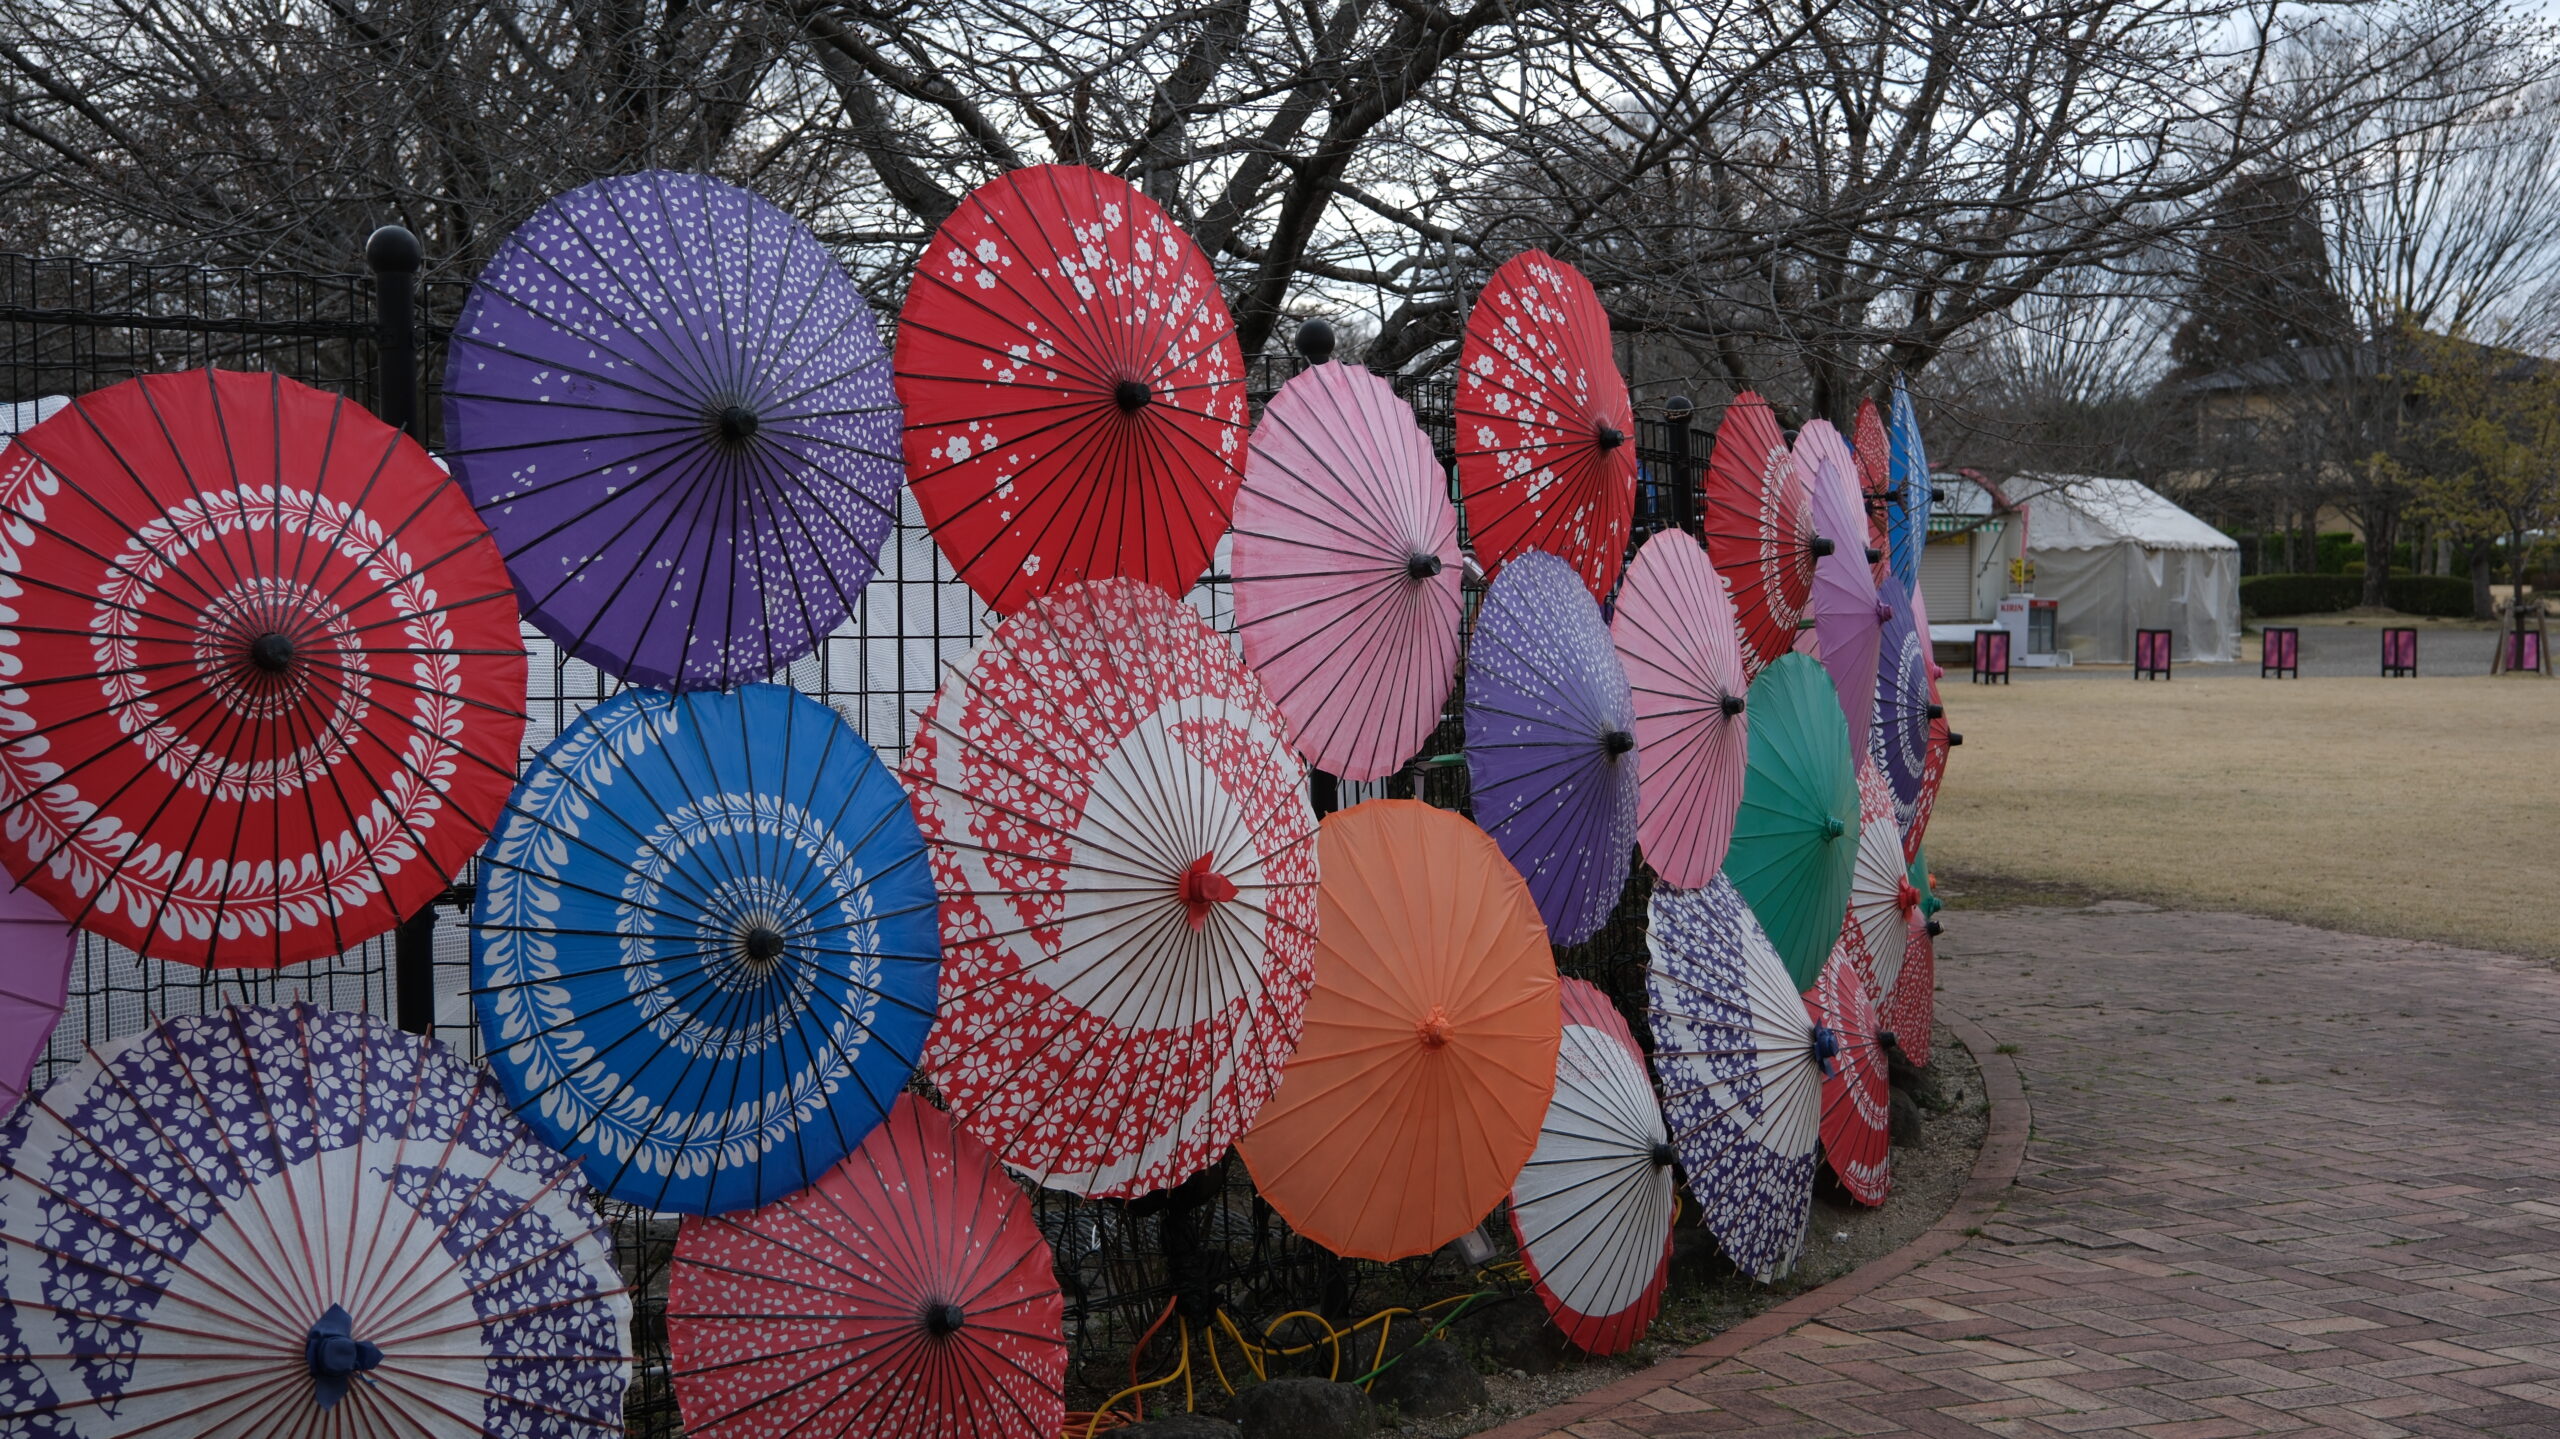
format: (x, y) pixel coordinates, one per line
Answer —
(1797, 832)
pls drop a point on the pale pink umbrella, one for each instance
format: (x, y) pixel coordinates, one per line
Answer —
(1848, 614)
(1346, 571)
(34, 982)
(1675, 634)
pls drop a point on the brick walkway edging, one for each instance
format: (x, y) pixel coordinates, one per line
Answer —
(2004, 1145)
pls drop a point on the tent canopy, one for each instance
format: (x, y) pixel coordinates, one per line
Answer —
(2115, 557)
(2086, 512)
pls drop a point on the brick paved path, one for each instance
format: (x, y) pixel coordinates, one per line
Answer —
(2280, 1181)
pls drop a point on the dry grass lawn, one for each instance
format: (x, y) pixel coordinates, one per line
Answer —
(2427, 808)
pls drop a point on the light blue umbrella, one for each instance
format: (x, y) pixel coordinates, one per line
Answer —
(704, 950)
(1907, 519)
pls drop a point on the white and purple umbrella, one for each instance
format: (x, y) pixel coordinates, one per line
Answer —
(1551, 744)
(1848, 617)
(1742, 1064)
(670, 404)
(292, 1221)
(1900, 742)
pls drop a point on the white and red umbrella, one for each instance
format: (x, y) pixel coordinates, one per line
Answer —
(1855, 1141)
(1346, 568)
(1546, 437)
(1759, 529)
(1592, 1208)
(1910, 1007)
(1881, 900)
(907, 1292)
(1675, 635)
(1121, 837)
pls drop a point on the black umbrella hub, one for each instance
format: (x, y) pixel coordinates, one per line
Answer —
(271, 653)
(1608, 436)
(1421, 567)
(1663, 1155)
(1732, 705)
(1131, 396)
(1617, 742)
(942, 1318)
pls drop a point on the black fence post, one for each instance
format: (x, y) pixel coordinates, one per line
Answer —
(394, 256)
(1684, 486)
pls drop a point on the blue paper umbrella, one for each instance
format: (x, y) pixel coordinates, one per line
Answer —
(1551, 742)
(1908, 470)
(1741, 1063)
(296, 1221)
(704, 948)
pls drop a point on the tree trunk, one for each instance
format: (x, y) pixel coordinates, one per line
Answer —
(2482, 606)
(2379, 531)
(2310, 539)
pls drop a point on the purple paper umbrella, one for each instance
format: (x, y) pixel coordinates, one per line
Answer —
(1551, 746)
(35, 979)
(1848, 617)
(1901, 743)
(671, 405)
(1741, 1062)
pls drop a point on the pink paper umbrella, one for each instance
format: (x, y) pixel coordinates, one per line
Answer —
(1848, 615)
(1675, 634)
(1346, 571)
(35, 979)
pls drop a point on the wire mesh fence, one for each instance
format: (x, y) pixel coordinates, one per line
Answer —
(68, 326)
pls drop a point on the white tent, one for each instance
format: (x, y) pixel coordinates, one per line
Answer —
(2116, 557)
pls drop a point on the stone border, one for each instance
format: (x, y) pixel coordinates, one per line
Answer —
(2004, 1145)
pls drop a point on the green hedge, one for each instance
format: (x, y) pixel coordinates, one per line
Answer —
(2446, 595)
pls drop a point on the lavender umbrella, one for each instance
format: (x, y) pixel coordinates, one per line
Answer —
(35, 979)
(1551, 742)
(1847, 616)
(670, 404)
(1901, 735)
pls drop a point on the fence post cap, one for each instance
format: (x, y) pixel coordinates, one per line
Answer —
(1677, 408)
(393, 250)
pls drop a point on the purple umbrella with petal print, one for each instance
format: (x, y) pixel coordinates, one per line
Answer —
(1901, 742)
(1551, 746)
(671, 405)
(1741, 1063)
(1848, 616)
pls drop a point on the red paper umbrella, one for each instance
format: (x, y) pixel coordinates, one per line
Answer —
(1932, 771)
(269, 675)
(1546, 453)
(1074, 396)
(1760, 536)
(907, 1292)
(1910, 1008)
(1854, 1095)
(1871, 449)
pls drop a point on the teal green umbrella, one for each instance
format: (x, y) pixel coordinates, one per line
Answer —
(1797, 832)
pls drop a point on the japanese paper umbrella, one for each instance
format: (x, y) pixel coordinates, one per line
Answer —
(1346, 571)
(1900, 738)
(669, 402)
(1942, 740)
(35, 979)
(298, 1222)
(1674, 633)
(1551, 743)
(268, 676)
(1127, 864)
(1875, 481)
(1848, 616)
(1909, 1010)
(908, 1292)
(1592, 1207)
(1796, 834)
(1429, 1053)
(1741, 1066)
(703, 948)
(1546, 437)
(1759, 528)
(1882, 902)
(1855, 1143)
(1911, 494)
(1074, 395)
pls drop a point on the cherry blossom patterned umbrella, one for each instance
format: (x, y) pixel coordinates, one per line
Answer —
(1855, 1142)
(1742, 1065)
(1881, 900)
(1546, 437)
(1074, 395)
(1909, 1010)
(907, 1292)
(671, 406)
(270, 682)
(1592, 1207)
(297, 1221)
(1127, 863)
(1900, 738)
(35, 980)
(1942, 740)
(1848, 615)
(1911, 494)
(1759, 527)
(1551, 745)
(1346, 571)
(1674, 632)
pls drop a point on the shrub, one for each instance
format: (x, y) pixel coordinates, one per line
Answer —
(2300, 594)
(2445, 595)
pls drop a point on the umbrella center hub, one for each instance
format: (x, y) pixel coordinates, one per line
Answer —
(272, 653)
(1435, 1029)
(1608, 437)
(1421, 567)
(735, 425)
(942, 1318)
(1617, 742)
(1876, 557)
(1832, 828)
(1826, 1048)
(1203, 888)
(1663, 1154)
(1819, 546)
(336, 1356)
(1906, 897)
(1884, 612)
(763, 944)
(1730, 704)
(1131, 396)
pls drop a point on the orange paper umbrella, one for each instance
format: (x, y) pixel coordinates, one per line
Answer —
(1429, 1052)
